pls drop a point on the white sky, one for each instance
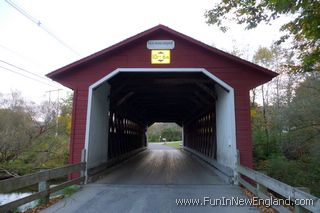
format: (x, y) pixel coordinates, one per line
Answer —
(89, 26)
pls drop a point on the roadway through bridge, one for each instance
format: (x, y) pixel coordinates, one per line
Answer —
(151, 181)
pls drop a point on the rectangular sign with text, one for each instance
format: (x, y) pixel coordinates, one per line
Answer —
(160, 56)
(160, 44)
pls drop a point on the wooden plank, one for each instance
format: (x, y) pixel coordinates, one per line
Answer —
(27, 180)
(67, 183)
(14, 204)
(23, 181)
(38, 195)
(95, 173)
(58, 172)
(280, 188)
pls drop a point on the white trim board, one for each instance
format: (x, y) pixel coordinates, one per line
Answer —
(155, 70)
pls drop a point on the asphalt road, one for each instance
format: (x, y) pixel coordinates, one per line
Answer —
(152, 182)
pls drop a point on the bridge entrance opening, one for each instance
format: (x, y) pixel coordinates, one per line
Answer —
(125, 103)
(165, 132)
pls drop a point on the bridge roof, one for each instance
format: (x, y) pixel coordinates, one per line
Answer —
(154, 30)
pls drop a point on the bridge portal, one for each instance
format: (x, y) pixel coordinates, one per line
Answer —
(161, 75)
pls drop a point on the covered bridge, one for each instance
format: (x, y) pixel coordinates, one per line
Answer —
(161, 75)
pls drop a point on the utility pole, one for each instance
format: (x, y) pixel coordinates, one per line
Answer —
(57, 107)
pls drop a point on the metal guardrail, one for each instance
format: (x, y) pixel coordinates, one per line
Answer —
(40, 178)
(264, 182)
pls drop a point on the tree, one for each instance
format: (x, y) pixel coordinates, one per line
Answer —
(30, 137)
(303, 29)
(274, 97)
(264, 56)
(298, 163)
(303, 120)
(170, 131)
(65, 116)
(16, 127)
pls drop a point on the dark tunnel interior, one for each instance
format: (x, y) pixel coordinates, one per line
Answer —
(137, 100)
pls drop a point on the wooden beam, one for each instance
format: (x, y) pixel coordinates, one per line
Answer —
(197, 114)
(14, 204)
(152, 77)
(114, 91)
(13, 184)
(208, 90)
(202, 99)
(125, 98)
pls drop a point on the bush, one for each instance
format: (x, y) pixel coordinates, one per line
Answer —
(171, 134)
(303, 172)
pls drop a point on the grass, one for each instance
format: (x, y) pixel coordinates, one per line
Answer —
(68, 191)
(175, 144)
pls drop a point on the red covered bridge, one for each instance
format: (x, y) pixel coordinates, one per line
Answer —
(161, 75)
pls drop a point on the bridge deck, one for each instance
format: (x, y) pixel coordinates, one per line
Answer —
(162, 165)
(151, 182)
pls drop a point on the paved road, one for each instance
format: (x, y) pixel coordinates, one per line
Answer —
(151, 182)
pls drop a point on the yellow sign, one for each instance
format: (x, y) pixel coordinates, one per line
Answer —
(160, 56)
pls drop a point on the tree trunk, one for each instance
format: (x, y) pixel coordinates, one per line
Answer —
(265, 121)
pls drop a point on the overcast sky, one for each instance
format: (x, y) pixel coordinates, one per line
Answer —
(89, 26)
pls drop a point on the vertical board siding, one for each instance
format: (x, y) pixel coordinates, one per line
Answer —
(243, 124)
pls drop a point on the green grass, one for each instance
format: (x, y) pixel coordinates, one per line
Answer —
(68, 191)
(173, 144)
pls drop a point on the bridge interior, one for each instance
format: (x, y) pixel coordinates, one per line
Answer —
(139, 100)
(125, 105)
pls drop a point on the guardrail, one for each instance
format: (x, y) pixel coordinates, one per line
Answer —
(264, 182)
(42, 179)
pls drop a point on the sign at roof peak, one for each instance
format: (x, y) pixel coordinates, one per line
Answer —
(160, 44)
